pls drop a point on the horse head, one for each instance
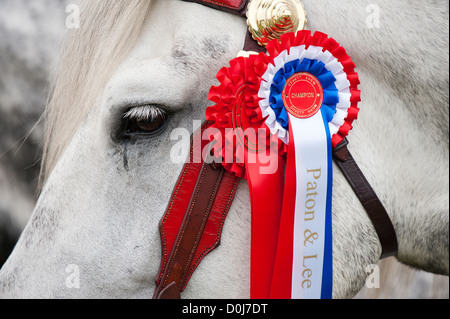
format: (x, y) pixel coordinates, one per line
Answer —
(134, 80)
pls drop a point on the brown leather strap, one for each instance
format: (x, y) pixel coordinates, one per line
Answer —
(192, 225)
(238, 7)
(192, 228)
(369, 199)
(252, 45)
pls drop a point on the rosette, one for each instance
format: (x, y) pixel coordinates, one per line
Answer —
(305, 48)
(303, 96)
(249, 82)
(237, 109)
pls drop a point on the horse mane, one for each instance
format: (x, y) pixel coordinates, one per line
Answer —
(108, 31)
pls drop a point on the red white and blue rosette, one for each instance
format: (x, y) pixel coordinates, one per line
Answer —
(322, 57)
(303, 94)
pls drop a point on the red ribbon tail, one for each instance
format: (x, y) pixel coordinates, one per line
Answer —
(266, 195)
(281, 287)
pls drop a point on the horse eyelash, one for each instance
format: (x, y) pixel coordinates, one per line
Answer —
(144, 112)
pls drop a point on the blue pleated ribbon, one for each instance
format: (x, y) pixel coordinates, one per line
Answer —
(314, 67)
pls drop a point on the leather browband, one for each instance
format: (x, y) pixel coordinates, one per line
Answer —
(204, 193)
(238, 7)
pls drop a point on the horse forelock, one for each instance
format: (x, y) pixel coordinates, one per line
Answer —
(89, 55)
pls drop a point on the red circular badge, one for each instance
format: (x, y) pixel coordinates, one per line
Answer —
(303, 95)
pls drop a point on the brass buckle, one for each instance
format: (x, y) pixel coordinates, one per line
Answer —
(270, 19)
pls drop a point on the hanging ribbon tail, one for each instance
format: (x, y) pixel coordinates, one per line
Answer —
(303, 267)
(266, 195)
(327, 276)
(281, 280)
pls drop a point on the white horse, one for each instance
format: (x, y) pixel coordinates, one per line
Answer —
(103, 194)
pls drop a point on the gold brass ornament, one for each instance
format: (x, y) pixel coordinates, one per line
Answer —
(269, 19)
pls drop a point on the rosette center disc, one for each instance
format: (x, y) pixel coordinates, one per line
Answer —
(303, 95)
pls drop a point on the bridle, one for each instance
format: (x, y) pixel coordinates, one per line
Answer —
(193, 222)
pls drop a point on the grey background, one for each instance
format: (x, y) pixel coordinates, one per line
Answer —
(30, 32)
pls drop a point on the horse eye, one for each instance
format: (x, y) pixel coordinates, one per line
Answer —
(147, 126)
